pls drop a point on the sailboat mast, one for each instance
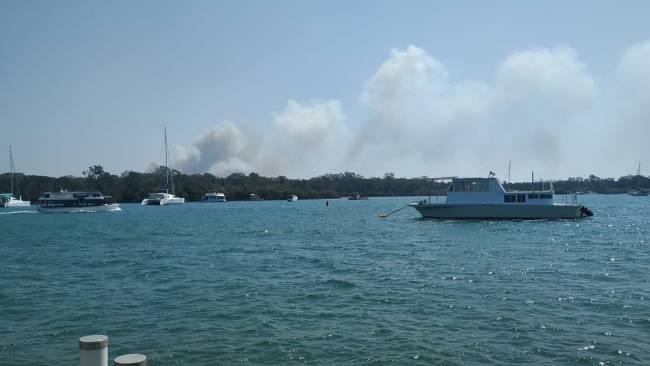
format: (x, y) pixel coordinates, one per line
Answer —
(169, 172)
(11, 161)
(166, 167)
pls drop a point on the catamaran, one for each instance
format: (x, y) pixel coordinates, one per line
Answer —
(8, 199)
(163, 197)
(486, 198)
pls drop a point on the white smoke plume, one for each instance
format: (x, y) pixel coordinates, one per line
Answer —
(543, 110)
(303, 139)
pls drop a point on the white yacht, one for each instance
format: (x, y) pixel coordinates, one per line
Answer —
(214, 197)
(163, 197)
(254, 197)
(485, 198)
(292, 198)
(8, 199)
(65, 201)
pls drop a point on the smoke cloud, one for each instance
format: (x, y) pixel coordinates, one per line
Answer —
(543, 110)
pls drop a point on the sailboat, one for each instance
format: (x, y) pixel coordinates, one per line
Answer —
(641, 192)
(8, 199)
(163, 197)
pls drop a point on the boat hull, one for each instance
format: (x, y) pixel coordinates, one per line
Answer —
(163, 202)
(17, 203)
(100, 208)
(172, 201)
(500, 211)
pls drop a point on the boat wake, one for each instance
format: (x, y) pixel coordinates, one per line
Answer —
(94, 211)
(17, 212)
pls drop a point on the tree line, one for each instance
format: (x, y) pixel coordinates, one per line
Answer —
(131, 186)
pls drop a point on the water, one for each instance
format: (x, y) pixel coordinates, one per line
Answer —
(283, 283)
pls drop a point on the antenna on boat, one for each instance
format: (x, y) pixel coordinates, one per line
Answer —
(509, 163)
(532, 181)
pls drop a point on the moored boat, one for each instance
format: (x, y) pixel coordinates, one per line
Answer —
(8, 199)
(65, 201)
(163, 197)
(292, 198)
(356, 197)
(214, 197)
(485, 198)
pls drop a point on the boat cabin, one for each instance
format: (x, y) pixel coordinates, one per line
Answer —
(73, 199)
(490, 191)
(214, 197)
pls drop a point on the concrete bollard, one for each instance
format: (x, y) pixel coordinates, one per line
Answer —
(93, 350)
(131, 360)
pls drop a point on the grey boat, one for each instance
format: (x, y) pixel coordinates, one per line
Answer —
(485, 198)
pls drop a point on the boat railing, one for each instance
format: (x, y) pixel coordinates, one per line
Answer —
(439, 200)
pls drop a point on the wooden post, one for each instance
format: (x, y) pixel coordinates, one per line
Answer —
(93, 350)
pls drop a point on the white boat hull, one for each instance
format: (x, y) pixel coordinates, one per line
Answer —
(100, 208)
(163, 201)
(17, 203)
(172, 201)
(500, 211)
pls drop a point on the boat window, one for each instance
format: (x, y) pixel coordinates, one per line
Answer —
(459, 186)
(478, 186)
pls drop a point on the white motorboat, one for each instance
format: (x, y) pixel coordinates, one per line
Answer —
(163, 197)
(65, 201)
(356, 197)
(254, 197)
(214, 197)
(8, 199)
(485, 198)
(292, 198)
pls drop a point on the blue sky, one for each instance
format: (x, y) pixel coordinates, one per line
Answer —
(85, 83)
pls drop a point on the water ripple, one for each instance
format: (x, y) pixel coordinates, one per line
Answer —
(276, 283)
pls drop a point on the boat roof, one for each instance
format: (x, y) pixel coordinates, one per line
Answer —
(473, 178)
(465, 178)
(76, 192)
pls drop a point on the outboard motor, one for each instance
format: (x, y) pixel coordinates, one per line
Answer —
(585, 212)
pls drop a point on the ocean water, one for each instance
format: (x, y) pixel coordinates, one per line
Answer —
(274, 282)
